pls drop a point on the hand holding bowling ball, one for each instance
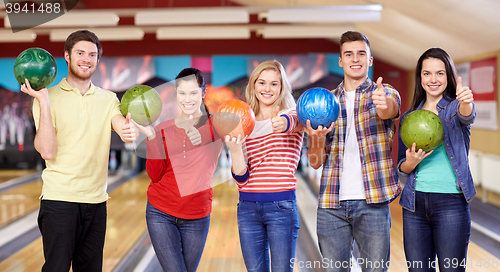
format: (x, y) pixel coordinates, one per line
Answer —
(148, 130)
(234, 117)
(414, 156)
(317, 135)
(37, 65)
(41, 95)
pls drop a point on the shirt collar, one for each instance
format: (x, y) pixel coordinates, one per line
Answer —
(364, 86)
(442, 104)
(65, 86)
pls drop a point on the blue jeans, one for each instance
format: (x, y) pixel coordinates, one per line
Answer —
(178, 243)
(268, 225)
(439, 226)
(368, 225)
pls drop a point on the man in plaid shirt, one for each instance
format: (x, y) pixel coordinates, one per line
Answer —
(359, 179)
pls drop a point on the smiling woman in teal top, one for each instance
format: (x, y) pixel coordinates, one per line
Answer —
(439, 185)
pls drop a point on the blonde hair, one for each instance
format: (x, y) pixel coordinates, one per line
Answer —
(285, 99)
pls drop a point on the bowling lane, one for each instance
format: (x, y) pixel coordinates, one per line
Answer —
(30, 258)
(126, 219)
(478, 259)
(397, 251)
(19, 201)
(222, 250)
(126, 223)
(9, 174)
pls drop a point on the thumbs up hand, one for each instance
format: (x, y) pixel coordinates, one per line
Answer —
(130, 132)
(127, 119)
(193, 133)
(279, 123)
(464, 94)
(379, 97)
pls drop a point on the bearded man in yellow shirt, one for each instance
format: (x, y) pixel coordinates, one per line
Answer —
(74, 120)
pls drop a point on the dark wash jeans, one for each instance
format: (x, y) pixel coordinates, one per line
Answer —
(72, 234)
(441, 226)
(178, 243)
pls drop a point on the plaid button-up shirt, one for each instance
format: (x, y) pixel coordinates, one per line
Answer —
(374, 136)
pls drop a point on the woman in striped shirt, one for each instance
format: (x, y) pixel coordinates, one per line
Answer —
(263, 165)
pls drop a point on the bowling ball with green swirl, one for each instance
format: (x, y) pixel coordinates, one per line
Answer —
(37, 65)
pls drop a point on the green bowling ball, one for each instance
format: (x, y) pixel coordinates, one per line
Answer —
(144, 104)
(424, 128)
(37, 65)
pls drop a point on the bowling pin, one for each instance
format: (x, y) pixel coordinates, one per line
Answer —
(112, 160)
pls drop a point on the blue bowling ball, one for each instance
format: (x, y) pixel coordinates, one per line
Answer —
(318, 105)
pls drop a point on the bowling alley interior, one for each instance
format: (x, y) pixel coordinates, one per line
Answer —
(150, 42)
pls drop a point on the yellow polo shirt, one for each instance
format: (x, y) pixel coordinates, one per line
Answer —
(79, 171)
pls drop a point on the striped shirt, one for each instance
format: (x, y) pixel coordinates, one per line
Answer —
(374, 136)
(272, 161)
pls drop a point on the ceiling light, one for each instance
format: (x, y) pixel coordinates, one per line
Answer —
(104, 34)
(22, 36)
(361, 13)
(302, 32)
(192, 16)
(70, 19)
(203, 32)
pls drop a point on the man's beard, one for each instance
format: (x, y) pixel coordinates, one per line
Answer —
(76, 73)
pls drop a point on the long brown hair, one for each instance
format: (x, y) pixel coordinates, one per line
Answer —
(451, 75)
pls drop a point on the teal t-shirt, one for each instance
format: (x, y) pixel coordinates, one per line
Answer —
(435, 173)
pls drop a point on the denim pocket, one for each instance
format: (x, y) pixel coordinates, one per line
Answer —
(243, 203)
(285, 205)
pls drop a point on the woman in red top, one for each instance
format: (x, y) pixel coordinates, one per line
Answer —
(182, 157)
